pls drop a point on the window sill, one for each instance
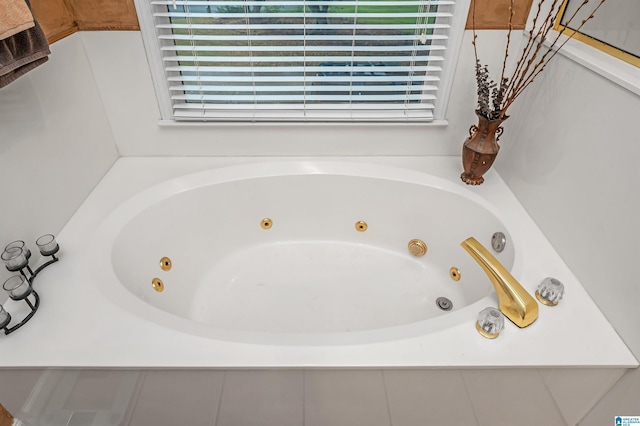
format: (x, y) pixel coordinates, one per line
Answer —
(173, 123)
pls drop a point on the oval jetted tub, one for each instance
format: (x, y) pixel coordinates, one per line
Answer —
(299, 252)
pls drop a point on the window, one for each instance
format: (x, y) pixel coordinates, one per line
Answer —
(615, 28)
(302, 60)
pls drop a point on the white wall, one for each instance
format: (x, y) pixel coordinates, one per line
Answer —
(55, 145)
(570, 155)
(131, 105)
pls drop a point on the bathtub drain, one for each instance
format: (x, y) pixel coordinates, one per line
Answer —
(444, 303)
(498, 241)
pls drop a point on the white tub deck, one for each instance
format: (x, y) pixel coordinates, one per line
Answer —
(77, 326)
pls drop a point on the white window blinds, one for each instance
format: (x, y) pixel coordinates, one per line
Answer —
(300, 60)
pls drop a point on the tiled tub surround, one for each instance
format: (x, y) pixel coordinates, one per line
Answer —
(78, 327)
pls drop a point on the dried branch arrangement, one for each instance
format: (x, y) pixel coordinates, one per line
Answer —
(494, 98)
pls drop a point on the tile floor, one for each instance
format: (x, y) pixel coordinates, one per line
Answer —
(373, 397)
(320, 397)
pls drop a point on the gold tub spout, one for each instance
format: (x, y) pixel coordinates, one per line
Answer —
(514, 301)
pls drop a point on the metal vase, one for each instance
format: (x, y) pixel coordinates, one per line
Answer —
(480, 149)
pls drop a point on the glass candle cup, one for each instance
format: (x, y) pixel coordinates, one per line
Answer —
(47, 245)
(17, 287)
(21, 245)
(5, 318)
(14, 258)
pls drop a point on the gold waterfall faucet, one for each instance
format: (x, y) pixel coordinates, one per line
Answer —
(514, 301)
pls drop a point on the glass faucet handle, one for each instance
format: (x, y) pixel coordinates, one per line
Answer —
(550, 291)
(490, 322)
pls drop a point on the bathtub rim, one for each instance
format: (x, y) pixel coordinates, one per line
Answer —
(77, 328)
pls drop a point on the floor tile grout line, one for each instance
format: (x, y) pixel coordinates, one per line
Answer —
(135, 396)
(466, 390)
(552, 396)
(304, 397)
(609, 388)
(386, 395)
(217, 417)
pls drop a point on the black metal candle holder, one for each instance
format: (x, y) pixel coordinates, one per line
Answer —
(16, 257)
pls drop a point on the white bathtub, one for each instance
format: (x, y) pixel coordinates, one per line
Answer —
(311, 291)
(315, 276)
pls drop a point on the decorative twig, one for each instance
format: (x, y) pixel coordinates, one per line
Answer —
(553, 49)
(495, 98)
(506, 50)
(473, 27)
(535, 42)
